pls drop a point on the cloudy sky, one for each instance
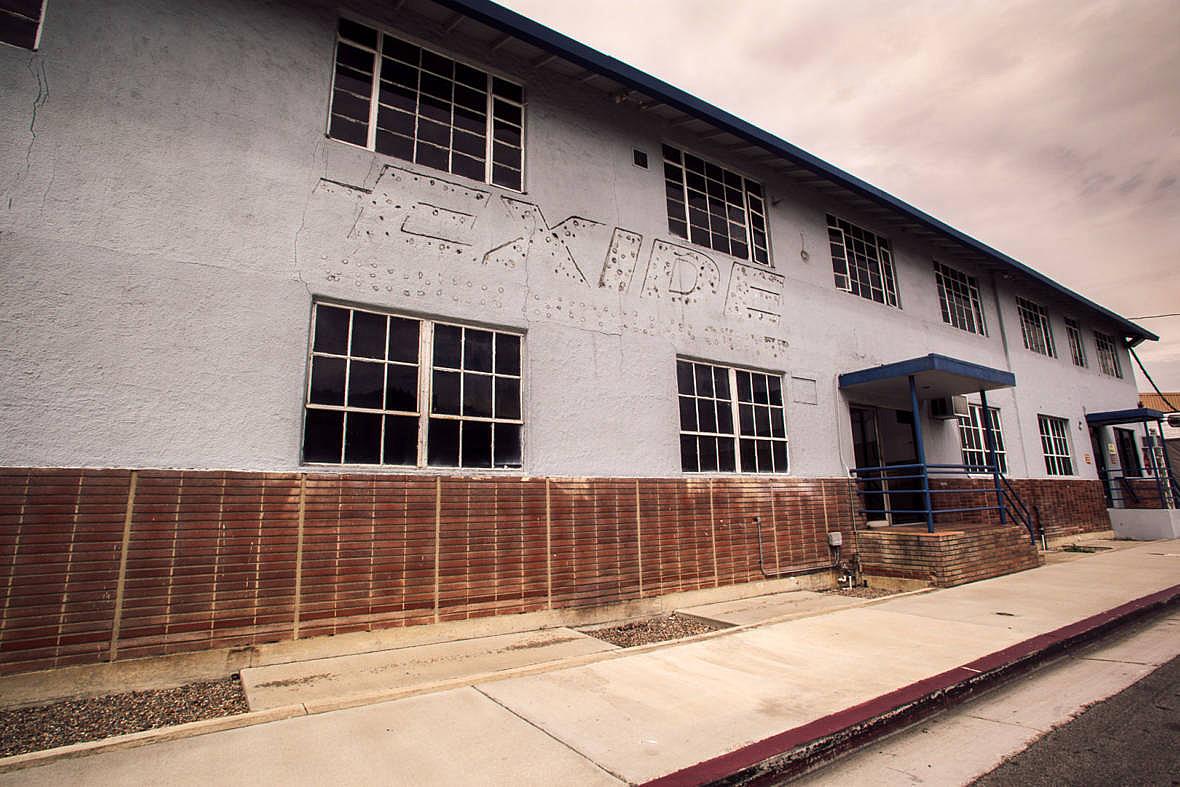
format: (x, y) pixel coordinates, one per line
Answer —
(1049, 130)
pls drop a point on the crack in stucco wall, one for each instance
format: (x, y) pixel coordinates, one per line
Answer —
(35, 66)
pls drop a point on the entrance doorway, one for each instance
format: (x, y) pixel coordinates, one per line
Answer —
(882, 437)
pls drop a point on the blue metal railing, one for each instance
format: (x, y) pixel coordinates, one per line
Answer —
(906, 490)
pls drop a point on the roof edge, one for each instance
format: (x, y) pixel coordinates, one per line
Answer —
(546, 38)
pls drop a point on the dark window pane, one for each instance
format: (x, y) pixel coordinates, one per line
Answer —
(395, 47)
(746, 419)
(322, 434)
(472, 144)
(398, 97)
(688, 454)
(776, 423)
(447, 343)
(749, 459)
(779, 449)
(765, 462)
(502, 154)
(434, 133)
(359, 33)
(401, 387)
(471, 76)
(403, 339)
(401, 440)
(725, 456)
(347, 130)
(508, 90)
(473, 104)
(350, 106)
(507, 397)
(671, 153)
(507, 354)
(445, 399)
(477, 444)
(776, 391)
(688, 414)
(395, 145)
(362, 439)
(396, 121)
(704, 375)
(477, 395)
(431, 85)
(508, 178)
(430, 156)
(506, 112)
(365, 383)
(760, 393)
(398, 72)
(721, 382)
(351, 56)
(438, 64)
(724, 418)
(442, 443)
(707, 447)
(468, 167)
(706, 415)
(507, 134)
(762, 421)
(684, 378)
(354, 82)
(507, 445)
(368, 335)
(327, 380)
(477, 350)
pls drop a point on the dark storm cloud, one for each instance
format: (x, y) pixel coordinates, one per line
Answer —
(1050, 130)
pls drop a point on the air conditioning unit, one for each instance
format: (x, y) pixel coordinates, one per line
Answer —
(946, 408)
(1174, 420)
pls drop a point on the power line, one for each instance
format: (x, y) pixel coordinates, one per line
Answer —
(1153, 385)
(1155, 316)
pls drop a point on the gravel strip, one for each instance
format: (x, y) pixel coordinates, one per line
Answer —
(74, 721)
(643, 632)
(862, 592)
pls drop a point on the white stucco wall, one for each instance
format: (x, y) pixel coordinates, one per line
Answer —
(167, 222)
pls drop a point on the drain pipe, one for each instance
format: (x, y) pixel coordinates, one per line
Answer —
(790, 571)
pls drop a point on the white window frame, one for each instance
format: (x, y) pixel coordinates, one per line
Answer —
(424, 412)
(735, 418)
(1108, 355)
(1056, 446)
(1077, 349)
(1035, 327)
(40, 19)
(973, 439)
(371, 141)
(749, 206)
(841, 235)
(959, 299)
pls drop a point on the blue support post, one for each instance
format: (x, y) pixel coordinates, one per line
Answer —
(921, 449)
(992, 458)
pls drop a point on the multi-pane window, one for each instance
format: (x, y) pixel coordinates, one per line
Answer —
(406, 101)
(958, 295)
(711, 206)
(20, 22)
(974, 439)
(1055, 445)
(1077, 350)
(1108, 355)
(862, 262)
(1034, 327)
(731, 420)
(370, 373)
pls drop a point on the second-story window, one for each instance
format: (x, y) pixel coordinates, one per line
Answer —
(958, 295)
(711, 206)
(862, 262)
(1034, 327)
(1077, 350)
(1108, 355)
(406, 101)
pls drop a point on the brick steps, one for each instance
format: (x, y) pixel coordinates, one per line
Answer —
(947, 557)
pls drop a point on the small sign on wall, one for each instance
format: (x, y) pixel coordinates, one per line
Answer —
(1088, 460)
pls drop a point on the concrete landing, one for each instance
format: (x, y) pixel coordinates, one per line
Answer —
(761, 609)
(335, 678)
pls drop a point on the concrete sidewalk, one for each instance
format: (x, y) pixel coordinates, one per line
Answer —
(685, 712)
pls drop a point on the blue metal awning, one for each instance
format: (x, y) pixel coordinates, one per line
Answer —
(1136, 415)
(934, 376)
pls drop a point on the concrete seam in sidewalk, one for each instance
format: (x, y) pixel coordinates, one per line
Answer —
(548, 734)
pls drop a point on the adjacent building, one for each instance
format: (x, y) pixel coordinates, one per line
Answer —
(336, 317)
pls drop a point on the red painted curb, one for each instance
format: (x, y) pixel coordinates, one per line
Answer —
(750, 755)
